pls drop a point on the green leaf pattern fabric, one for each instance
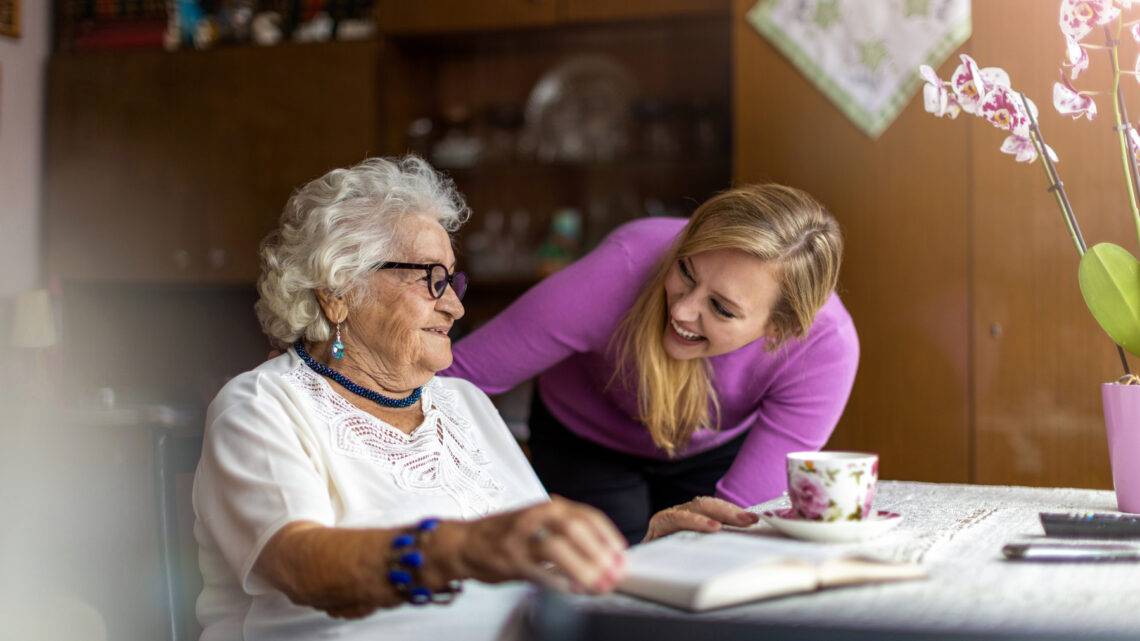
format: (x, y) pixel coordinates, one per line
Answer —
(863, 54)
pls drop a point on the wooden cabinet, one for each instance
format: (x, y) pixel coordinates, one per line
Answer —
(435, 16)
(589, 10)
(478, 91)
(441, 16)
(172, 167)
(117, 205)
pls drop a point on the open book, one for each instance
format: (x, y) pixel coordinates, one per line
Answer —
(704, 571)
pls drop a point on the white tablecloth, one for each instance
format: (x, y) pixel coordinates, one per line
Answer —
(956, 532)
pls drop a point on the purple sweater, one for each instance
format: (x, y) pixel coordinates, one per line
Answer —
(788, 400)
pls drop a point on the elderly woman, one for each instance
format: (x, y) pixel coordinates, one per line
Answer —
(343, 477)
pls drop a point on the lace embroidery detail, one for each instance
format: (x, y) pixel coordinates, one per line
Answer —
(441, 455)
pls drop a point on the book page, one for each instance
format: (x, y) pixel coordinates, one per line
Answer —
(855, 571)
(702, 571)
(692, 558)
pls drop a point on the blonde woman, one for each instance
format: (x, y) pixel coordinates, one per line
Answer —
(680, 358)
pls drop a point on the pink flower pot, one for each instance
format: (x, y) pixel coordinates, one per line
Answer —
(1122, 420)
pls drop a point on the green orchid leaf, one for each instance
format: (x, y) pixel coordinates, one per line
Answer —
(1110, 282)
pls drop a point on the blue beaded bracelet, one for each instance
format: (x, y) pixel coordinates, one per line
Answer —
(404, 567)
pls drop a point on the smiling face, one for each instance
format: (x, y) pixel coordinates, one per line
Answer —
(717, 301)
(399, 330)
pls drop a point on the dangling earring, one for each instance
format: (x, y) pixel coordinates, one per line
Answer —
(338, 345)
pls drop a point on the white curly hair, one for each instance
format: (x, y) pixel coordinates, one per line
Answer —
(334, 230)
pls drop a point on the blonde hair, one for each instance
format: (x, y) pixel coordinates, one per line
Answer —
(780, 225)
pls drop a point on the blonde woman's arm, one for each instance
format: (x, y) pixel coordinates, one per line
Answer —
(575, 310)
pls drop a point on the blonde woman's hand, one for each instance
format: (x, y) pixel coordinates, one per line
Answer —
(702, 514)
(559, 544)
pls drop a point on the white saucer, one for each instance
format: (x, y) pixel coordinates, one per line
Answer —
(787, 522)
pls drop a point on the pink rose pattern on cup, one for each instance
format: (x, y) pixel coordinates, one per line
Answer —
(809, 487)
(809, 497)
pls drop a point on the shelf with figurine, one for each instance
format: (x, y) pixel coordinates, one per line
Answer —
(603, 165)
(587, 143)
(91, 25)
(655, 133)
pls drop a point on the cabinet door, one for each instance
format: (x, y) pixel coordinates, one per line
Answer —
(435, 16)
(172, 167)
(280, 118)
(902, 201)
(590, 10)
(122, 169)
(1039, 355)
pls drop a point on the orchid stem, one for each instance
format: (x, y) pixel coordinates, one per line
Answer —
(1058, 189)
(1126, 151)
(1055, 184)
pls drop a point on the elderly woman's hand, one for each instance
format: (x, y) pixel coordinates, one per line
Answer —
(702, 514)
(586, 550)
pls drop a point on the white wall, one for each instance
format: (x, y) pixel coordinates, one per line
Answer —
(22, 67)
(42, 596)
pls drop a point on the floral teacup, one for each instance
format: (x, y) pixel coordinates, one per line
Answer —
(832, 486)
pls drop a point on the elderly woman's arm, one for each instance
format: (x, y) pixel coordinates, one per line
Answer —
(343, 571)
(264, 510)
(338, 570)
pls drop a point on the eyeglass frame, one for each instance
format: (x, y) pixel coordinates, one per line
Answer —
(427, 268)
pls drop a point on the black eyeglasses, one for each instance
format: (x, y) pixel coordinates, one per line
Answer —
(438, 277)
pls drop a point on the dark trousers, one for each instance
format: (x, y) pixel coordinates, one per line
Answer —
(629, 489)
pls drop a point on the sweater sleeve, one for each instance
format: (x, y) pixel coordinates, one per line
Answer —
(573, 311)
(799, 414)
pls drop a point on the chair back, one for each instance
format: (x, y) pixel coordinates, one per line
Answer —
(176, 458)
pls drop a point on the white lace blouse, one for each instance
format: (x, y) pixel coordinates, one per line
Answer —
(282, 446)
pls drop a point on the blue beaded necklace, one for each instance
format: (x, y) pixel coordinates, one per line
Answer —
(359, 390)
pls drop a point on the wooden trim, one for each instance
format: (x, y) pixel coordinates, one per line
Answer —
(10, 9)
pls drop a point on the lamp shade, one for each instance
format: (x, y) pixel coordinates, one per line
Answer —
(33, 323)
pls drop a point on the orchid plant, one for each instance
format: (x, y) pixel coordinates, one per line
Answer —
(1108, 274)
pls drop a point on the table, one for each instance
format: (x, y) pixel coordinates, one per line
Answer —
(956, 533)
